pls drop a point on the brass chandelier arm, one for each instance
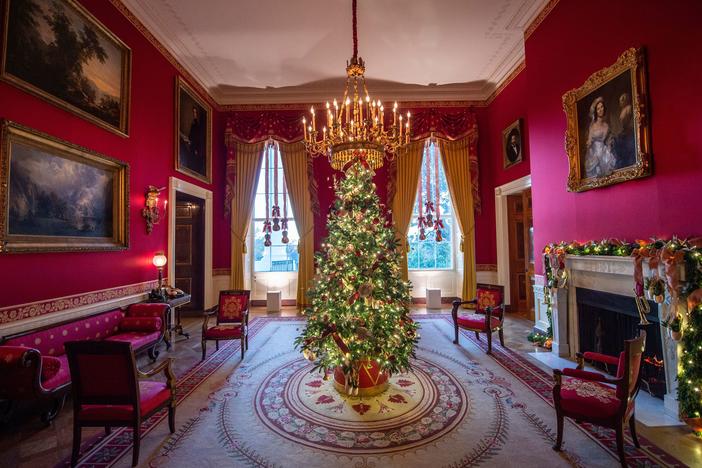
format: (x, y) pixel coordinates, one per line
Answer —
(358, 124)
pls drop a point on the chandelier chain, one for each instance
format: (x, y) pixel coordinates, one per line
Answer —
(355, 30)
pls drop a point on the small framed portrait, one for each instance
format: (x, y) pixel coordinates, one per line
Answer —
(193, 130)
(57, 197)
(608, 137)
(61, 53)
(512, 148)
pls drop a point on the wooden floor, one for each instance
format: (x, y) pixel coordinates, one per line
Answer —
(26, 442)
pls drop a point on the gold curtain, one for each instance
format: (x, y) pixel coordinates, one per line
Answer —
(409, 167)
(455, 156)
(296, 165)
(248, 165)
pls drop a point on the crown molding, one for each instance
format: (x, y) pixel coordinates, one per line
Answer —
(141, 14)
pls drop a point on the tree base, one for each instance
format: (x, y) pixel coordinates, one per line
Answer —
(371, 381)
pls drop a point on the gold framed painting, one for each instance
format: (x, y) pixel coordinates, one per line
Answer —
(61, 53)
(193, 133)
(608, 135)
(58, 197)
(512, 145)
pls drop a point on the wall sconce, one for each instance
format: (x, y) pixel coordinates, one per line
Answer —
(150, 211)
(159, 262)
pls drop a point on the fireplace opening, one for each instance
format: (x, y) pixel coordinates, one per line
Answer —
(605, 320)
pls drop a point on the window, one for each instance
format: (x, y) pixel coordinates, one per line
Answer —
(278, 256)
(428, 254)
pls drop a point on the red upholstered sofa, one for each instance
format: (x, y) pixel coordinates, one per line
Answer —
(34, 365)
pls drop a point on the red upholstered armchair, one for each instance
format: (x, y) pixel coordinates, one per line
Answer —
(600, 399)
(488, 315)
(107, 391)
(232, 320)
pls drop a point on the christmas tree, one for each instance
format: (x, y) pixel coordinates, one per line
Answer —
(359, 309)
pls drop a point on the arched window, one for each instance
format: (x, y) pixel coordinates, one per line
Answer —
(281, 254)
(428, 253)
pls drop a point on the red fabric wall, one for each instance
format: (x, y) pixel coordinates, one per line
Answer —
(577, 39)
(149, 152)
(508, 106)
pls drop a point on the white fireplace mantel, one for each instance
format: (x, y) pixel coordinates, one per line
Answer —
(613, 275)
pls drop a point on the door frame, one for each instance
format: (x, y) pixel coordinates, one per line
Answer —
(502, 229)
(178, 185)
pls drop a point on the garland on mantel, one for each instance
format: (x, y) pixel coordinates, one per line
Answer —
(675, 277)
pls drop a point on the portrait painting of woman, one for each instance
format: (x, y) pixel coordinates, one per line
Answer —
(606, 141)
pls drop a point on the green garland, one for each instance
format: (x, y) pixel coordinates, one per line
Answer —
(685, 252)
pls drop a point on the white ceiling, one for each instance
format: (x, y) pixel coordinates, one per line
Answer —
(291, 51)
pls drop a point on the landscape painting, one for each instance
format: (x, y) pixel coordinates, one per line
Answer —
(60, 52)
(59, 196)
(193, 133)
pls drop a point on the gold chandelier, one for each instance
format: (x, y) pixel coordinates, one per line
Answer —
(356, 123)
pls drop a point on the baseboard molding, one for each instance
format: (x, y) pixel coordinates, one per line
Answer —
(19, 318)
(263, 302)
(444, 300)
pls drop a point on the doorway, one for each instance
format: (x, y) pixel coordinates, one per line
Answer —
(521, 253)
(175, 187)
(189, 249)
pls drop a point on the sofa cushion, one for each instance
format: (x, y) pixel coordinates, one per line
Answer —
(137, 339)
(49, 342)
(50, 366)
(151, 395)
(146, 310)
(61, 377)
(142, 324)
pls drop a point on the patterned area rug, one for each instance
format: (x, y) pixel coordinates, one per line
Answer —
(457, 407)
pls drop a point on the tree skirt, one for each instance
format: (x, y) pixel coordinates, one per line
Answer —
(456, 407)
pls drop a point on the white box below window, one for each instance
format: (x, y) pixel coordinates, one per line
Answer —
(433, 298)
(273, 301)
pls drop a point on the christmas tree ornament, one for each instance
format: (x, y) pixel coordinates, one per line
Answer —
(361, 293)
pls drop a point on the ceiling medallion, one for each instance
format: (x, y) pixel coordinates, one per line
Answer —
(356, 123)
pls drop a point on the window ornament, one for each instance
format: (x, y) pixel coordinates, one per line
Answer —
(430, 211)
(273, 212)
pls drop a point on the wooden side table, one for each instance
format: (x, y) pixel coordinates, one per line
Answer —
(176, 303)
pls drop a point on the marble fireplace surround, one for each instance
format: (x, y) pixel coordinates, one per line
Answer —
(613, 275)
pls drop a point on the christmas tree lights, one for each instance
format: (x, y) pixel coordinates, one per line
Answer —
(359, 309)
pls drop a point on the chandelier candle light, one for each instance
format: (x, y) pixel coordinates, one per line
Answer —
(357, 123)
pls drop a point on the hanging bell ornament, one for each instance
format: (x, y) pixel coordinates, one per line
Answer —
(439, 237)
(422, 234)
(276, 224)
(285, 237)
(267, 240)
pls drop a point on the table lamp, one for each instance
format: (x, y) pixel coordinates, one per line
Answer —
(159, 262)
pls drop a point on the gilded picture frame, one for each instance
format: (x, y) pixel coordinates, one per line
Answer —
(606, 147)
(59, 197)
(512, 144)
(193, 133)
(91, 79)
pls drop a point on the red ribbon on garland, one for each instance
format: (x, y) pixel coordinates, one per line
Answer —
(438, 224)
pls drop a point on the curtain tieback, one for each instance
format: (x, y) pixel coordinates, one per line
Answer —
(460, 246)
(244, 248)
(303, 236)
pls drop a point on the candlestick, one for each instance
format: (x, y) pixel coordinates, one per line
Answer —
(304, 127)
(314, 120)
(348, 111)
(407, 132)
(394, 115)
(400, 128)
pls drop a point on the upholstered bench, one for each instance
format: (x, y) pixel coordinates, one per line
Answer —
(34, 365)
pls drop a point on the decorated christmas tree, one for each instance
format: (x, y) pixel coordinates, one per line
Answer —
(358, 322)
